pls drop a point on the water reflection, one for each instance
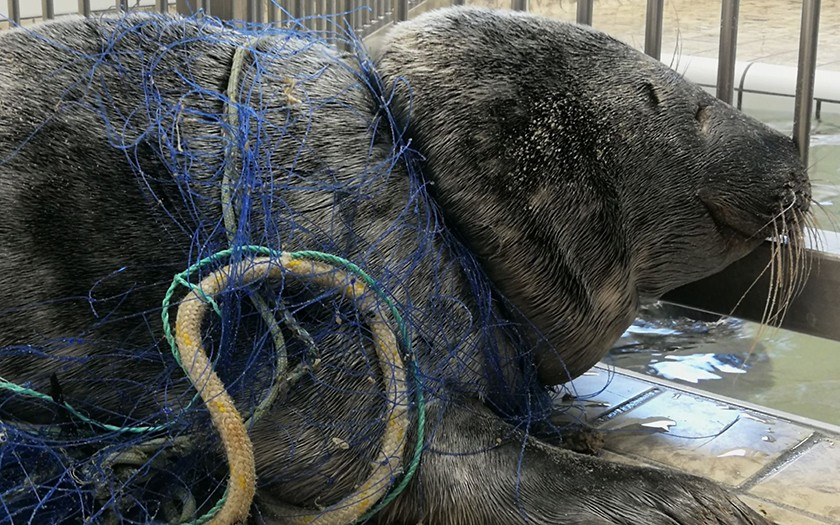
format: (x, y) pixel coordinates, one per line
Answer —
(694, 348)
(770, 367)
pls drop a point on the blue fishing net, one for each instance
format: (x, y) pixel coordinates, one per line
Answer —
(192, 145)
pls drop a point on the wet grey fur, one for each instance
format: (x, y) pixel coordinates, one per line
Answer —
(583, 175)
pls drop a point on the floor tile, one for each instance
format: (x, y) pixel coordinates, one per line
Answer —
(811, 482)
(780, 515)
(599, 390)
(703, 437)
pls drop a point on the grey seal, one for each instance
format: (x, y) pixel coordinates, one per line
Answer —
(560, 179)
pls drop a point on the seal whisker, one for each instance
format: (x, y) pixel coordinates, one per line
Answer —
(804, 228)
(775, 267)
(789, 254)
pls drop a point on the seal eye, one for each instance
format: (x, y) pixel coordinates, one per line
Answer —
(650, 93)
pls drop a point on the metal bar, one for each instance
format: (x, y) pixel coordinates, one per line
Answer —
(366, 13)
(400, 10)
(14, 11)
(457, 2)
(653, 28)
(806, 68)
(333, 22)
(342, 22)
(222, 9)
(343, 7)
(162, 6)
(324, 12)
(297, 9)
(254, 11)
(273, 12)
(727, 50)
(47, 9)
(356, 17)
(122, 5)
(84, 7)
(519, 5)
(182, 7)
(584, 12)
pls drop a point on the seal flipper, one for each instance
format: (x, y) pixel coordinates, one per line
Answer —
(478, 470)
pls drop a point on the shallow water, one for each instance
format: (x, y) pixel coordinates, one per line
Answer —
(777, 368)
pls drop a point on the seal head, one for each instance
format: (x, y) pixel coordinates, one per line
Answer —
(585, 175)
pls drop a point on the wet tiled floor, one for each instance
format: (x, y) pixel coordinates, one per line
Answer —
(786, 467)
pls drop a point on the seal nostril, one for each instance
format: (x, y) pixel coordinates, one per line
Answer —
(701, 114)
(650, 92)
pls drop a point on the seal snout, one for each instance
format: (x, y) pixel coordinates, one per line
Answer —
(796, 194)
(779, 209)
(755, 185)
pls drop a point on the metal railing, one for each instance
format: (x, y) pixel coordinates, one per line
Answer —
(806, 66)
(815, 311)
(18, 11)
(368, 16)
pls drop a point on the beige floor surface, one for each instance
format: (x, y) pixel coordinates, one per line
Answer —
(786, 468)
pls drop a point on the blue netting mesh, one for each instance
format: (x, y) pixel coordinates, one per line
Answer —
(135, 123)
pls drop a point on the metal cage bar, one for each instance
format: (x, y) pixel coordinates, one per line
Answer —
(47, 9)
(584, 12)
(84, 7)
(400, 10)
(727, 50)
(14, 11)
(653, 28)
(808, 35)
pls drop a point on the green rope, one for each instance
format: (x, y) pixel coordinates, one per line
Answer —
(228, 195)
(229, 192)
(17, 389)
(182, 279)
(415, 371)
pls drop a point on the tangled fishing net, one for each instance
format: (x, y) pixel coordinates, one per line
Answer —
(288, 294)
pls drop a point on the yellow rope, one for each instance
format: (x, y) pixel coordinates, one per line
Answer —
(228, 421)
(223, 412)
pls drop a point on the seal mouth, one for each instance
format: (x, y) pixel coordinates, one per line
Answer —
(791, 226)
(734, 223)
(737, 221)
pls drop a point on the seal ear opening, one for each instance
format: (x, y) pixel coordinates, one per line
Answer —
(489, 239)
